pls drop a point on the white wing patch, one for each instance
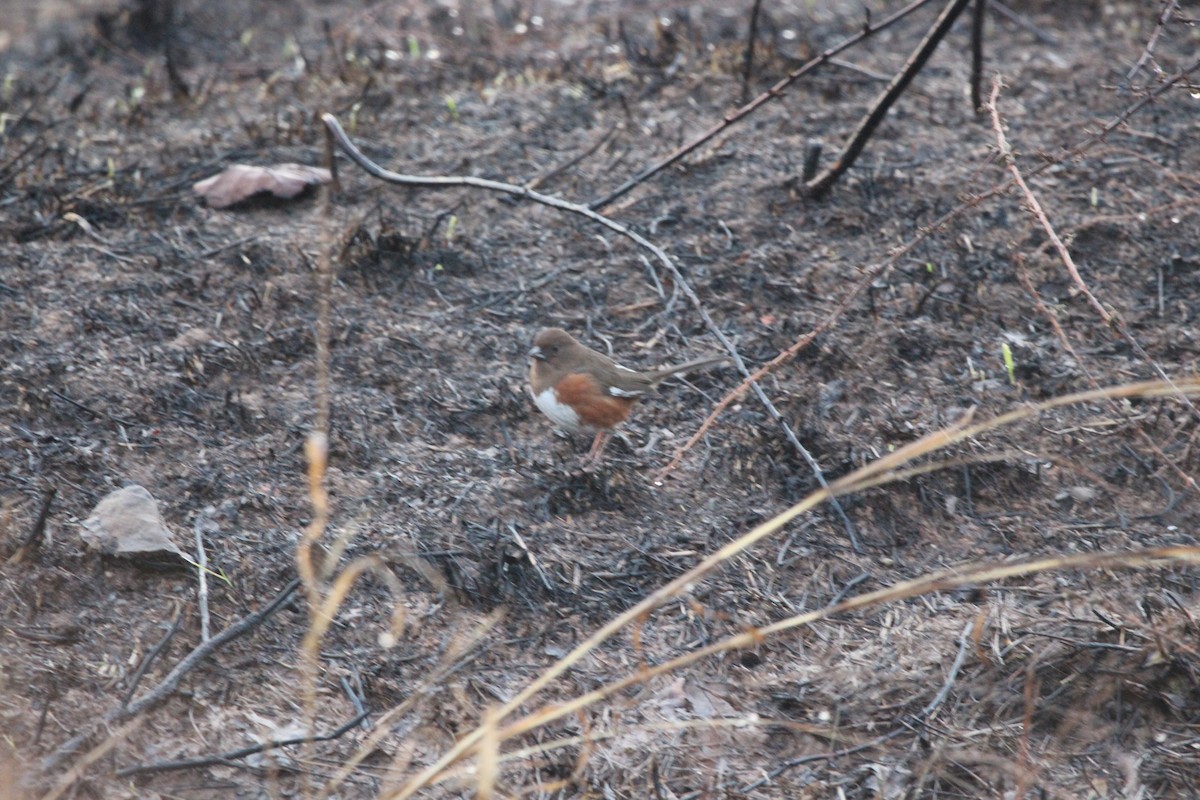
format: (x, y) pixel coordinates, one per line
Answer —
(617, 391)
(560, 414)
(624, 369)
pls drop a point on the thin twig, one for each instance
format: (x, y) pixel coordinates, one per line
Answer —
(850, 66)
(1133, 109)
(751, 38)
(820, 184)
(98, 414)
(1021, 22)
(203, 524)
(91, 757)
(963, 640)
(34, 539)
(561, 168)
(1148, 52)
(151, 656)
(773, 93)
(234, 755)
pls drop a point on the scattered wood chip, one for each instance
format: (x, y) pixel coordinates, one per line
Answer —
(242, 181)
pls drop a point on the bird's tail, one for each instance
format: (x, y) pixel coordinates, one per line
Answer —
(659, 375)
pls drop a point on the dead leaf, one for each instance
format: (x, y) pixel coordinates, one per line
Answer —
(126, 523)
(708, 699)
(241, 181)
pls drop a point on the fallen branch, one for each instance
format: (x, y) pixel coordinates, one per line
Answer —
(773, 93)
(751, 38)
(820, 184)
(979, 12)
(169, 684)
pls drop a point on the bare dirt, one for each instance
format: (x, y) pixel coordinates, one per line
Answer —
(146, 338)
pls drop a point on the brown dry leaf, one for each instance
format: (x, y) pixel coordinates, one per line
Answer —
(241, 181)
(126, 522)
(708, 699)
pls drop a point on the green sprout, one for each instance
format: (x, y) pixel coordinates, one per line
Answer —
(1009, 365)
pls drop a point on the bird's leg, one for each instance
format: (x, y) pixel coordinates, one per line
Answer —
(592, 459)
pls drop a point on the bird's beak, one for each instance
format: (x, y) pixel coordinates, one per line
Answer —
(536, 353)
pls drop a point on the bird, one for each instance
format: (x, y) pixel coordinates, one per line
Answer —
(580, 389)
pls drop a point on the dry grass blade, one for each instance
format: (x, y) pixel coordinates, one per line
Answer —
(489, 757)
(586, 741)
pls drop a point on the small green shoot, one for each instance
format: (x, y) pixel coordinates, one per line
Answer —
(1009, 365)
(217, 572)
(414, 47)
(453, 107)
(450, 227)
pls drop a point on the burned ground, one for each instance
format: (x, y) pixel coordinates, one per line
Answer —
(145, 338)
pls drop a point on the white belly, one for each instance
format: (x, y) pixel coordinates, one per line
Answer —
(560, 414)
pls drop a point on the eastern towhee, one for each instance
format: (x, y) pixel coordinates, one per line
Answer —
(578, 388)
